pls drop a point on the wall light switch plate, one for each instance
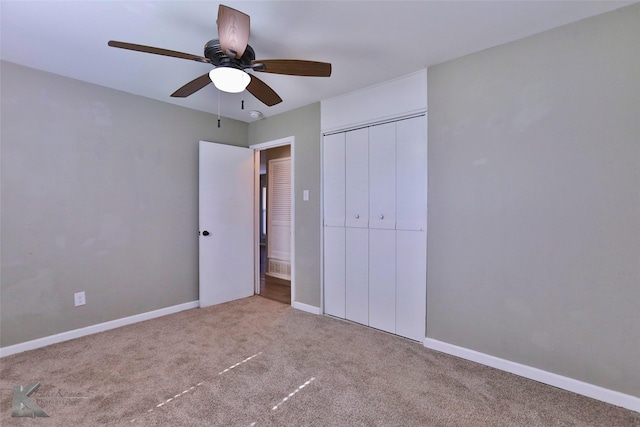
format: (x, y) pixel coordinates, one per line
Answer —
(305, 195)
(79, 299)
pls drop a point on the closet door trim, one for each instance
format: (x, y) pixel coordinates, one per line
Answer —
(419, 113)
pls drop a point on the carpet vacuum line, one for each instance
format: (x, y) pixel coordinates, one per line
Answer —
(161, 404)
(289, 396)
(293, 392)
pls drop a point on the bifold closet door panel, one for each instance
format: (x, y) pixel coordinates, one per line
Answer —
(357, 275)
(357, 178)
(382, 176)
(382, 279)
(334, 271)
(411, 284)
(334, 179)
(411, 155)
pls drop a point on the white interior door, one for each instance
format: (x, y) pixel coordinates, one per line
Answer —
(226, 221)
(411, 174)
(382, 176)
(382, 279)
(411, 277)
(334, 271)
(357, 275)
(357, 178)
(334, 180)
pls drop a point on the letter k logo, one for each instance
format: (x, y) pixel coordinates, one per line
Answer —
(23, 406)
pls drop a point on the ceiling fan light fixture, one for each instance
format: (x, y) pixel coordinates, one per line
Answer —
(229, 79)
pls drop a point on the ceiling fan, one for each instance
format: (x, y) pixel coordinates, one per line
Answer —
(231, 54)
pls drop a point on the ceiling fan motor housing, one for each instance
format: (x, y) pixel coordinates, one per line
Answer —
(214, 53)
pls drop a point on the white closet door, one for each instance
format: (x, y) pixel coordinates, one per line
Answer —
(357, 178)
(334, 180)
(357, 275)
(382, 279)
(411, 152)
(382, 176)
(411, 283)
(334, 271)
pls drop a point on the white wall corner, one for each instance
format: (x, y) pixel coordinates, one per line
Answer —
(94, 329)
(579, 387)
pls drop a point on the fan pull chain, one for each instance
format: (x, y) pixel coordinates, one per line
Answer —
(219, 95)
(242, 108)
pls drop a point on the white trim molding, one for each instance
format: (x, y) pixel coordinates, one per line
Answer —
(579, 387)
(94, 329)
(306, 307)
(288, 140)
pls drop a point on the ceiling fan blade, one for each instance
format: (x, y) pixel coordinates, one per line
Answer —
(233, 31)
(158, 51)
(263, 92)
(192, 87)
(293, 67)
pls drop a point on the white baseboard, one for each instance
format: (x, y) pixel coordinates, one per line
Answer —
(596, 392)
(306, 307)
(77, 333)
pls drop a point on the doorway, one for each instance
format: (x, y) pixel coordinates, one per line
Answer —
(274, 228)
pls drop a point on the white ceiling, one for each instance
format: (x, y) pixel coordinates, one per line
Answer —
(367, 42)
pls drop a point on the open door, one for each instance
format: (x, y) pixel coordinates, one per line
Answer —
(226, 221)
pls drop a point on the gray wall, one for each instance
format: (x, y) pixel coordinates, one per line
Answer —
(99, 194)
(534, 201)
(304, 124)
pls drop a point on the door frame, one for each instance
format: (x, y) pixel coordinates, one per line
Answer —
(289, 140)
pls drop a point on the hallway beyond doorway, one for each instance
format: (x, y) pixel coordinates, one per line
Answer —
(271, 287)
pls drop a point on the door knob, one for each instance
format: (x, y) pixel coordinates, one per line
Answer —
(381, 216)
(357, 216)
(205, 233)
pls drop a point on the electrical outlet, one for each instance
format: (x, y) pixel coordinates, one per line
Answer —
(79, 298)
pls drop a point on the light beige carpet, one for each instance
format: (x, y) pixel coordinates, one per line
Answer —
(256, 362)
